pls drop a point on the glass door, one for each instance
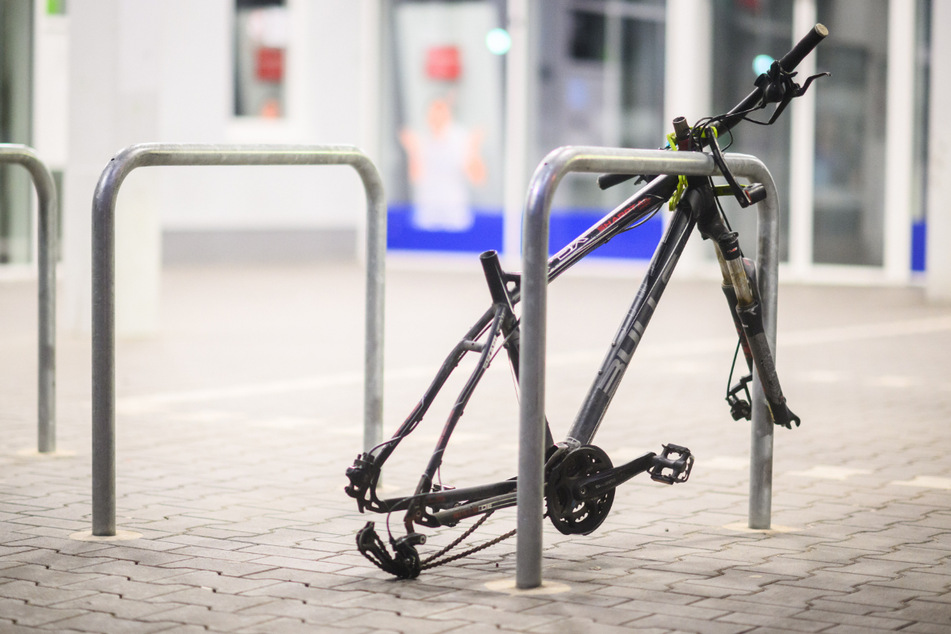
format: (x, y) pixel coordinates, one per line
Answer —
(850, 134)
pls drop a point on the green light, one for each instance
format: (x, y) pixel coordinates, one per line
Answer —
(761, 64)
(498, 41)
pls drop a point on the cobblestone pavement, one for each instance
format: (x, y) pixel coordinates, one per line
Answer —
(236, 423)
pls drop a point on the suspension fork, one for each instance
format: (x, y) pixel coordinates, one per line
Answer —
(743, 297)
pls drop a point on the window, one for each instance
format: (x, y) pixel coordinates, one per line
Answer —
(260, 47)
(741, 31)
(850, 140)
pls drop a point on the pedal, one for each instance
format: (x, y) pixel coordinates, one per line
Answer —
(404, 563)
(673, 465)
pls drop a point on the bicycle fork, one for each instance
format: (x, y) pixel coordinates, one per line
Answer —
(739, 286)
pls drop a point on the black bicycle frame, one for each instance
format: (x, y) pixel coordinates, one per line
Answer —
(579, 477)
(632, 328)
(499, 320)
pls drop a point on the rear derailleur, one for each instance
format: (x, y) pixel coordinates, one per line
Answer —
(404, 563)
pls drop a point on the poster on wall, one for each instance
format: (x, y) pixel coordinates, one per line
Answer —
(448, 127)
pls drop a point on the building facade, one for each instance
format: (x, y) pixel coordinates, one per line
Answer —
(457, 102)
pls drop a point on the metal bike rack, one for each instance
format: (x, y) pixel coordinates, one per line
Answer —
(535, 223)
(46, 255)
(103, 285)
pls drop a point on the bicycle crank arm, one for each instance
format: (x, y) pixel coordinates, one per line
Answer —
(600, 483)
(671, 467)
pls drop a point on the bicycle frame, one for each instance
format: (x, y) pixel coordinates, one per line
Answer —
(579, 477)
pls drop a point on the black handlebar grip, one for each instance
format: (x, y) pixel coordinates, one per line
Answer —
(791, 59)
(610, 180)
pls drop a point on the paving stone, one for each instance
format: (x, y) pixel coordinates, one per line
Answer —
(736, 580)
(60, 545)
(21, 613)
(143, 553)
(926, 628)
(919, 610)
(293, 562)
(184, 629)
(226, 566)
(597, 615)
(679, 623)
(125, 588)
(45, 576)
(216, 581)
(834, 554)
(9, 627)
(309, 613)
(774, 622)
(786, 595)
(131, 570)
(208, 598)
(491, 617)
(123, 608)
(855, 621)
(246, 527)
(575, 624)
(385, 620)
(199, 615)
(35, 594)
(476, 628)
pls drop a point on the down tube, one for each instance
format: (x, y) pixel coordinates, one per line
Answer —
(631, 330)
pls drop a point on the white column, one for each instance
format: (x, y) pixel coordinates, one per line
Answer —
(518, 91)
(802, 151)
(938, 263)
(114, 66)
(899, 138)
(688, 55)
(371, 96)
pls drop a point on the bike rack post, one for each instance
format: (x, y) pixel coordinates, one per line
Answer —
(47, 240)
(535, 223)
(103, 285)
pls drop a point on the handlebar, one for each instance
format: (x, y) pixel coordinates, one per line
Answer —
(802, 48)
(766, 84)
(771, 87)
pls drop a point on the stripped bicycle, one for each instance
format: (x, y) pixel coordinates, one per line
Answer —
(580, 479)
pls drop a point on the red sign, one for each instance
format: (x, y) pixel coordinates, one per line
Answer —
(270, 64)
(443, 62)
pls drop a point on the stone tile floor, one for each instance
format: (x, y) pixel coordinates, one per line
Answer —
(237, 421)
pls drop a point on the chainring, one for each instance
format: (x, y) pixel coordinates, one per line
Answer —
(570, 514)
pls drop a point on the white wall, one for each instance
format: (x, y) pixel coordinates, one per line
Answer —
(144, 71)
(323, 107)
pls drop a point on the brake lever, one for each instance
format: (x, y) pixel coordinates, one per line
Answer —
(778, 87)
(808, 82)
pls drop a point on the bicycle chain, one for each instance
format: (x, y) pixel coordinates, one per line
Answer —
(431, 562)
